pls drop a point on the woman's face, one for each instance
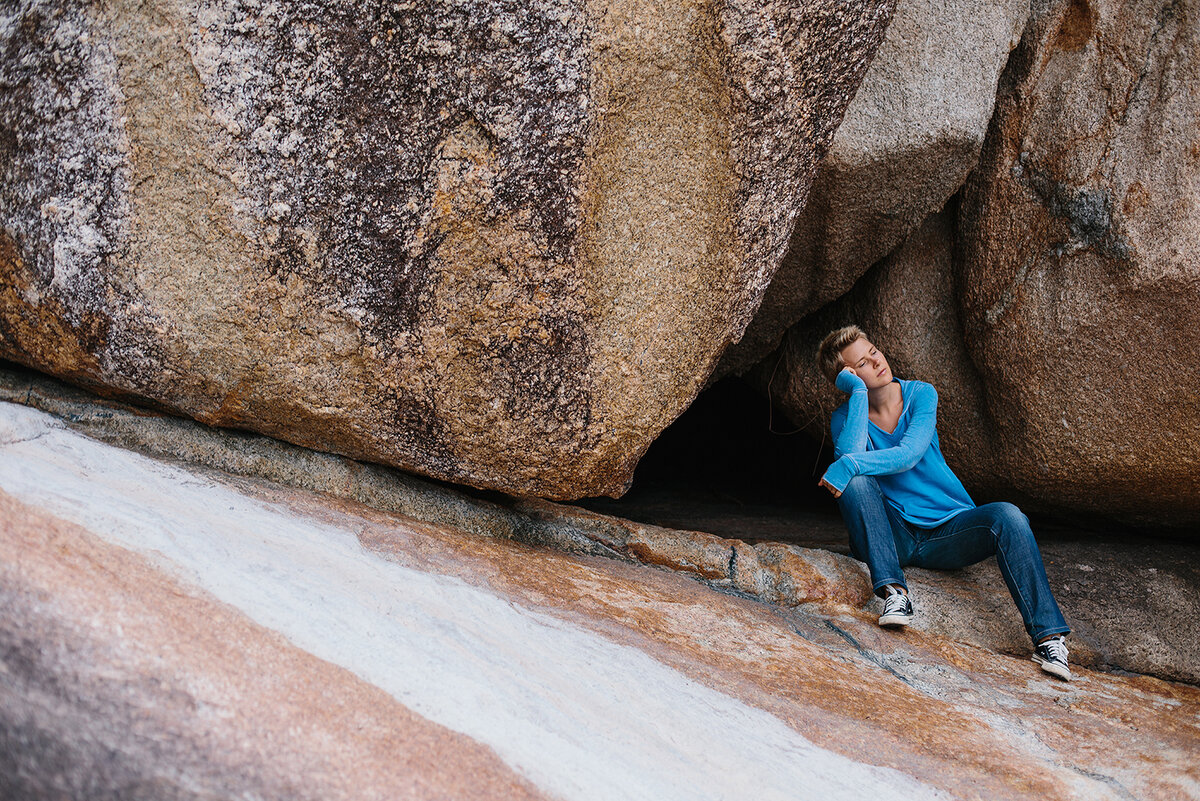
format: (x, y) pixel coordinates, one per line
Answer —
(868, 363)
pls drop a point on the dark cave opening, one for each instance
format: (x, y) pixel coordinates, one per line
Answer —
(733, 466)
(732, 444)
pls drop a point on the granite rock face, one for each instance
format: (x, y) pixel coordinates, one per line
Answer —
(498, 244)
(910, 137)
(1080, 285)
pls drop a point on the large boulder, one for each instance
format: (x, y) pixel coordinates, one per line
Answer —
(498, 244)
(1080, 279)
(910, 137)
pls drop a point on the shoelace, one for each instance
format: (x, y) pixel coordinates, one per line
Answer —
(894, 603)
(1057, 649)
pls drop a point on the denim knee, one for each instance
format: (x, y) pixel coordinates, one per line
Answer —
(1010, 523)
(859, 485)
(1009, 517)
(1009, 513)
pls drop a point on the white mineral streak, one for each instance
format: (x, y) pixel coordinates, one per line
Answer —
(579, 715)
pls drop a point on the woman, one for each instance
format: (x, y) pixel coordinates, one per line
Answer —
(904, 506)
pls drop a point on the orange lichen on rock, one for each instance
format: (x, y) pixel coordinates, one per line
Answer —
(35, 329)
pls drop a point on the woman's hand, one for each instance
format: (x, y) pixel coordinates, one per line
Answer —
(849, 381)
(837, 493)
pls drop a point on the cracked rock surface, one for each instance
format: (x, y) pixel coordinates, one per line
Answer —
(911, 136)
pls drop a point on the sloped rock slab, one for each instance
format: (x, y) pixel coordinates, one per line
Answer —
(1132, 606)
(174, 633)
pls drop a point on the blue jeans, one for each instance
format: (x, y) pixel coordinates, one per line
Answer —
(886, 541)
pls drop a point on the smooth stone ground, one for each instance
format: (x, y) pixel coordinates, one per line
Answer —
(288, 644)
(1134, 604)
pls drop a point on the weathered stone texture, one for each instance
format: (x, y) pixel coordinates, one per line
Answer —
(1080, 281)
(911, 135)
(501, 244)
(64, 176)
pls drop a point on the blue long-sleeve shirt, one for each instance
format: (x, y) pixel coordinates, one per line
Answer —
(907, 463)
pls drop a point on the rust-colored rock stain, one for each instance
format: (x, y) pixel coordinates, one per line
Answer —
(39, 332)
(165, 682)
(989, 727)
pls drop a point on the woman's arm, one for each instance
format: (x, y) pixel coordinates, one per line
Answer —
(903, 456)
(850, 430)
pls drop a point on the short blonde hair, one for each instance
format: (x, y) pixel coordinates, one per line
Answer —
(829, 352)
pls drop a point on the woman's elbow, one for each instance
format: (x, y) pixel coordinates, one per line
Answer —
(913, 457)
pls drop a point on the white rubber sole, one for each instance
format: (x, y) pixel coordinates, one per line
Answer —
(1053, 669)
(895, 621)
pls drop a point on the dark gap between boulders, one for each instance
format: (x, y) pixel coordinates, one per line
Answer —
(733, 466)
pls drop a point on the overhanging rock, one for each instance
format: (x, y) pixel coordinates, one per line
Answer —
(499, 244)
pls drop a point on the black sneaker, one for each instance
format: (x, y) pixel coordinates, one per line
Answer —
(897, 610)
(1052, 656)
